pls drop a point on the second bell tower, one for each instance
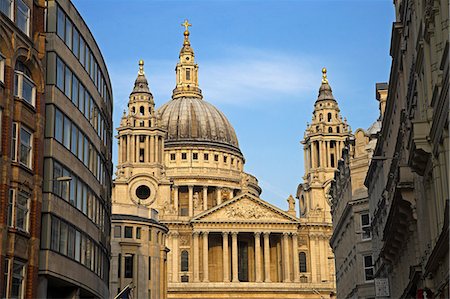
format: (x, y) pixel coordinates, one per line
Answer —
(322, 144)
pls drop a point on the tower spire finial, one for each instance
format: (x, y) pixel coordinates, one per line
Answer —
(324, 75)
(141, 67)
(186, 26)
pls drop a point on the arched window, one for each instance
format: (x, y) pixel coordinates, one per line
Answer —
(330, 130)
(329, 116)
(133, 110)
(24, 87)
(184, 261)
(338, 130)
(302, 260)
(142, 110)
(320, 116)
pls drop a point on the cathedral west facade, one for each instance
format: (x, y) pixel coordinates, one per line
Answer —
(196, 217)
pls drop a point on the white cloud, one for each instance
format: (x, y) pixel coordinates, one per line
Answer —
(242, 76)
(250, 75)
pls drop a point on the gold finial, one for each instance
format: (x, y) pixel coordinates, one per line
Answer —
(324, 75)
(186, 25)
(141, 67)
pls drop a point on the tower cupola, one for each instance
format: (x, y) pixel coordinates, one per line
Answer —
(186, 70)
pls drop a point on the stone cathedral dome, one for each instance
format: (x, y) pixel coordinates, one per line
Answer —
(188, 119)
(193, 120)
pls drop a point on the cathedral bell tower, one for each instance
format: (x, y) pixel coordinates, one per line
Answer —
(322, 144)
(186, 70)
(141, 138)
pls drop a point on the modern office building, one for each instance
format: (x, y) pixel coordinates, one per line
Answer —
(76, 208)
(409, 183)
(351, 239)
(22, 107)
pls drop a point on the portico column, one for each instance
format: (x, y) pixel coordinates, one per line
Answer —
(191, 194)
(219, 195)
(196, 257)
(286, 267)
(258, 256)
(296, 269)
(226, 258)
(234, 253)
(175, 273)
(205, 198)
(205, 257)
(266, 257)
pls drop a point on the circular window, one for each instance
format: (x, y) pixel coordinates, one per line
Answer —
(143, 192)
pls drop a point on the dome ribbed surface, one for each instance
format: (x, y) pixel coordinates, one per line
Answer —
(193, 120)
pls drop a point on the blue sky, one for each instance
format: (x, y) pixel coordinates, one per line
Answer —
(259, 62)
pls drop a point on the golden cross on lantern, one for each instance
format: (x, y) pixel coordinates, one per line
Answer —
(186, 25)
(324, 75)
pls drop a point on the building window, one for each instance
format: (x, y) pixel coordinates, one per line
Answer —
(205, 157)
(195, 156)
(6, 7)
(18, 210)
(329, 116)
(14, 279)
(368, 268)
(330, 130)
(224, 159)
(24, 87)
(183, 156)
(172, 157)
(184, 261)
(365, 226)
(302, 260)
(188, 74)
(149, 234)
(117, 231)
(26, 139)
(216, 158)
(138, 232)
(23, 17)
(128, 232)
(128, 260)
(18, 278)
(2, 65)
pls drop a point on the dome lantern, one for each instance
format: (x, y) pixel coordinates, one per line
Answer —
(186, 70)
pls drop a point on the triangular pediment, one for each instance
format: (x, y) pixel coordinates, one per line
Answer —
(245, 208)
